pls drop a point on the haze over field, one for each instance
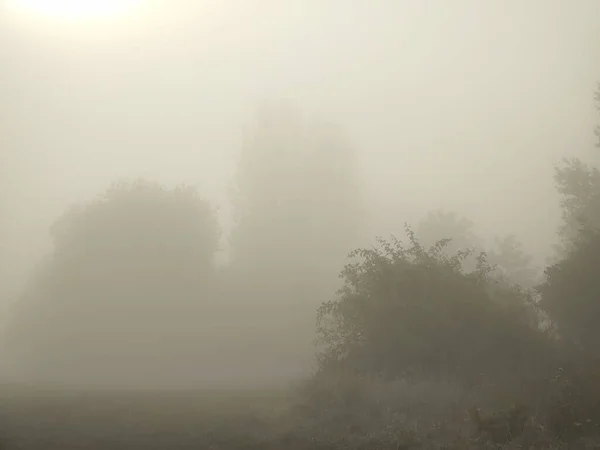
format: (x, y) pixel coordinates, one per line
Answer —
(464, 106)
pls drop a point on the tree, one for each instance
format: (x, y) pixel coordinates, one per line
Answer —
(512, 263)
(412, 309)
(440, 224)
(571, 291)
(569, 296)
(597, 98)
(579, 185)
(124, 286)
(298, 211)
(298, 201)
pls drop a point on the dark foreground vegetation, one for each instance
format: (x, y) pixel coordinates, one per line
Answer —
(337, 413)
(432, 341)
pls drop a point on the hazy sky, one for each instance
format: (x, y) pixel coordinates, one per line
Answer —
(461, 104)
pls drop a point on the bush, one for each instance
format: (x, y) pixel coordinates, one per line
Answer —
(347, 411)
(572, 406)
(414, 312)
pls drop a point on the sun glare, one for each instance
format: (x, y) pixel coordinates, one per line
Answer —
(75, 10)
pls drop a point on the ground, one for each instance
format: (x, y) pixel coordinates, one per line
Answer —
(424, 417)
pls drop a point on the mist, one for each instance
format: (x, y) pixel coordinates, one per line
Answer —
(463, 106)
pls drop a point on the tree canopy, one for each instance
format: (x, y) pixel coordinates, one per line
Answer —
(578, 184)
(512, 262)
(460, 232)
(126, 280)
(298, 199)
(571, 291)
(409, 309)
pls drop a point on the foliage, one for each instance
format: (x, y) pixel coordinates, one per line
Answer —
(572, 406)
(126, 270)
(569, 296)
(409, 309)
(501, 427)
(395, 415)
(579, 185)
(140, 216)
(571, 292)
(597, 98)
(361, 412)
(459, 231)
(512, 263)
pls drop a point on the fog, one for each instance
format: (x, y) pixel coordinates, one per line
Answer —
(462, 105)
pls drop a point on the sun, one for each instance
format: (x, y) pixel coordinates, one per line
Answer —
(75, 10)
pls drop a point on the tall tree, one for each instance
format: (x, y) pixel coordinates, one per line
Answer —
(298, 201)
(123, 288)
(597, 98)
(571, 290)
(579, 185)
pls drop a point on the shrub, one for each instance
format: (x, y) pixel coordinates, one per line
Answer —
(414, 312)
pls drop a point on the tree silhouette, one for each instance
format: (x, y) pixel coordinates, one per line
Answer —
(579, 185)
(440, 224)
(298, 200)
(124, 285)
(512, 262)
(411, 309)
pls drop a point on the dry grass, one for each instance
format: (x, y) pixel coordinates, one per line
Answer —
(325, 413)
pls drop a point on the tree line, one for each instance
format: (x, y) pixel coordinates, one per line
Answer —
(132, 273)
